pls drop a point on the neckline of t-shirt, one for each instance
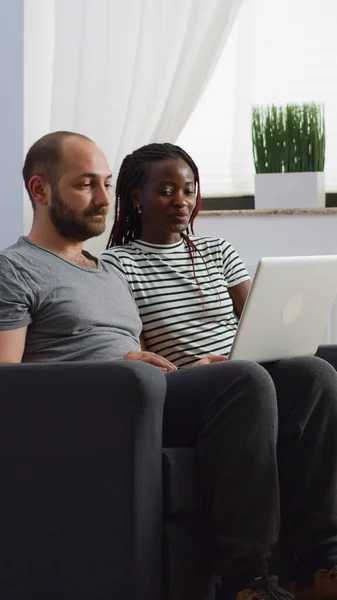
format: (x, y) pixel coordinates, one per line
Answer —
(159, 248)
(97, 269)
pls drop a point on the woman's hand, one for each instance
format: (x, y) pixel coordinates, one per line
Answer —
(152, 359)
(209, 360)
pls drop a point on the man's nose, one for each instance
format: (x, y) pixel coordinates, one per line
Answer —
(102, 195)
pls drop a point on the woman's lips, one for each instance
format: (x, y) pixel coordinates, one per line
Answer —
(180, 218)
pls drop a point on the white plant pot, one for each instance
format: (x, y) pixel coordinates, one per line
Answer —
(289, 190)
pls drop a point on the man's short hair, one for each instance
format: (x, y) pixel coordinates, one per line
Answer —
(44, 157)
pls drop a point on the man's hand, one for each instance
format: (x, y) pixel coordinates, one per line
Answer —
(208, 360)
(152, 359)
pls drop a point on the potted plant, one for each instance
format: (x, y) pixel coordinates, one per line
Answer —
(289, 156)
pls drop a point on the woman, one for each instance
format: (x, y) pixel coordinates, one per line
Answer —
(189, 289)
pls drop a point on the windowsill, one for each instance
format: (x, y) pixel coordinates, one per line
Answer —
(246, 203)
(251, 212)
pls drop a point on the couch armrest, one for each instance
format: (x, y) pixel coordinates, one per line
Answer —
(329, 353)
(80, 471)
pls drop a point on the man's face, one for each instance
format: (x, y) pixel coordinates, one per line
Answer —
(80, 198)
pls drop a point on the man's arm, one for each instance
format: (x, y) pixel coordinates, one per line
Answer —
(16, 301)
(12, 345)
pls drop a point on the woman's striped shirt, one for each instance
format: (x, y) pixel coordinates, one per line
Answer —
(185, 315)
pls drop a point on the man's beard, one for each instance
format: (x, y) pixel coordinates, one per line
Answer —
(73, 225)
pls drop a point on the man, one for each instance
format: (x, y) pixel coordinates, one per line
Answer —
(58, 302)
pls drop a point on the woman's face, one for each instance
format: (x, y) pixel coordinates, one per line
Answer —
(167, 201)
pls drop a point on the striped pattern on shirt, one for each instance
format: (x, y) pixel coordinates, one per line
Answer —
(184, 317)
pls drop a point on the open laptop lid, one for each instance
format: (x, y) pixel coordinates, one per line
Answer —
(287, 308)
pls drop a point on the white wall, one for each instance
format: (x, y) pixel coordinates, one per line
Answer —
(256, 236)
(273, 235)
(11, 120)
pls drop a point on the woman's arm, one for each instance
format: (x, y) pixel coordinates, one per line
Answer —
(239, 294)
(142, 343)
(236, 276)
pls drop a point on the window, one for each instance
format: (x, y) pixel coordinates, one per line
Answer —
(278, 52)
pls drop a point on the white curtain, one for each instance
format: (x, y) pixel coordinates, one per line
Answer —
(276, 53)
(122, 72)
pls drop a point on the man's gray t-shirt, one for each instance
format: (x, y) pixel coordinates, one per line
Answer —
(73, 313)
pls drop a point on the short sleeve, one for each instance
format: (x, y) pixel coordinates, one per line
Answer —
(112, 258)
(234, 270)
(15, 297)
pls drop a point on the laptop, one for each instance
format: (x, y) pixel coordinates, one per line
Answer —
(287, 308)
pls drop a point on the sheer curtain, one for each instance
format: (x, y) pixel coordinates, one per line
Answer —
(124, 73)
(277, 52)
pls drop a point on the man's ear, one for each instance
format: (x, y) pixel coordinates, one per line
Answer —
(39, 189)
(136, 197)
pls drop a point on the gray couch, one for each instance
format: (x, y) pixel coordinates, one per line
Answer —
(82, 472)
